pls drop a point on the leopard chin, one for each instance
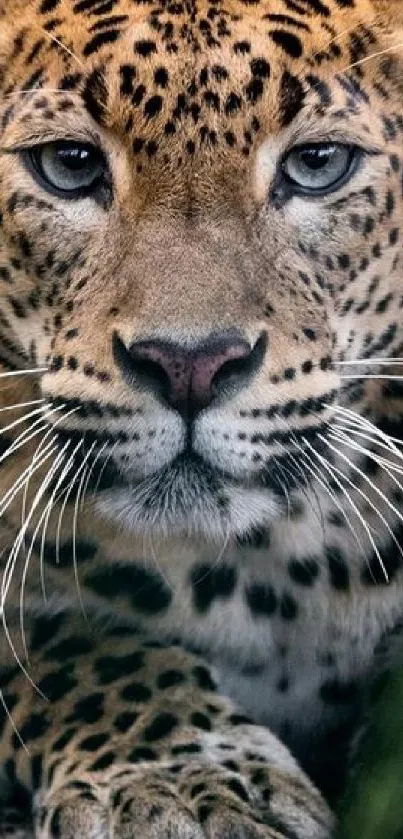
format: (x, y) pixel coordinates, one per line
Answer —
(192, 499)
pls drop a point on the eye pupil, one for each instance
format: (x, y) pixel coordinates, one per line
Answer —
(73, 158)
(315, 158)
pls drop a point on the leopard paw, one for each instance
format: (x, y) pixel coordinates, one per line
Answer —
(193, 800)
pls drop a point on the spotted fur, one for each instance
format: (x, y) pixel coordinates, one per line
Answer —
(211, 479)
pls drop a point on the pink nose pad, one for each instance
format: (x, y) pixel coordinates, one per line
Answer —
(190, 376)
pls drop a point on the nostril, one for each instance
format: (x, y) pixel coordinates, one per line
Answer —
(229, 371)
(138, 368)
(239, 369)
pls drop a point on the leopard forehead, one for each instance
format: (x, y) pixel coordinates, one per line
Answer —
(222, 76)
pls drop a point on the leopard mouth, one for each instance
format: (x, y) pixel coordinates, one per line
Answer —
(190, 492)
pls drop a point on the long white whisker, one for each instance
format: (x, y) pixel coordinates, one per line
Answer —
(313, 468)
(332, 471)
(367, 58)
(12, 723)
(90, 473)
(67, 494)
(388, 465)
(75, 516)
(368, 361)
(32, 372)
(20, 420)
(51, 473)
(373, 376)
(366, 478)
(37, 452)
(8, 574)
(368, 500)
(9, 496)
(363, 422)
(19, 405)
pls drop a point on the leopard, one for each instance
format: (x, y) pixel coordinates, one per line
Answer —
(201, 408)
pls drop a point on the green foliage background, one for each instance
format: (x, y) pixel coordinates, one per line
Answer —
(373, 805)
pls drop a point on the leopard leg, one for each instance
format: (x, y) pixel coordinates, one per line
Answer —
(133, 739)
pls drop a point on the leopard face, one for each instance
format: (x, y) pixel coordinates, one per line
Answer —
(201, 212)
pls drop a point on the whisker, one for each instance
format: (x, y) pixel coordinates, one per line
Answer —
(66, 493)
(366, 498)
(51, 474)
(12, 723)
(61, 45)
(367, 58)
(39, 447)
(20, 420)
(33, 372)
(318, 474)
(9, 496)
(332, 471)
(22, 405)
(367, 361)
(104, 465)
(373, 376)
(75, 516)
(364, 422)
(90, 473)
(9, 571)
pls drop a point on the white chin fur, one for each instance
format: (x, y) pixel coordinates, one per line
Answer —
(201, 515)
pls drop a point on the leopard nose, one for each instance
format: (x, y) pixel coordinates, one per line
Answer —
(189, 379)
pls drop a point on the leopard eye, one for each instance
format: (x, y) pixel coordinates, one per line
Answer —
(319, 168)
(67, 168)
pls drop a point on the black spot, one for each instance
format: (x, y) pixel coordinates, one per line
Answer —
(64, 739)
(99, 40)
(261, 599)
(34, 727)
(169, 678)
(136, 692)
(290, 43)
(255, 538)
(94, 742)
(210, 582)
(161, 77)
(233, 104)
(186, 749)
(111, 668)
(291, 97)
(203, 678)
(84, 551)
(200, 720)
(260, 67)
(88, 710)
(161, 726)
(304, 571)
(153, 106)
(69, 648)
(125, 720)
(338, 571)
(95, 95)
(237, 788)
(102, 762)
(254, 90)
(55, 685)
(288, 607)
(44, 629)
(146, 590)
(145, 48)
